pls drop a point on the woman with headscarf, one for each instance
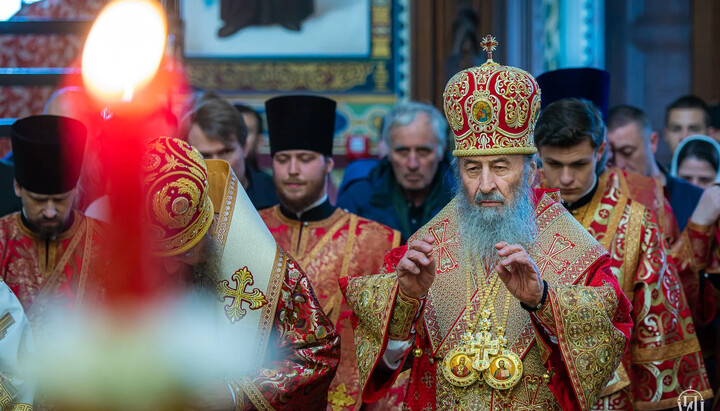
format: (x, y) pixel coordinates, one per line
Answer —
(697, 160)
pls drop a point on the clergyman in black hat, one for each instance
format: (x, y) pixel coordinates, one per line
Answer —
(327, 241)
(47, 249)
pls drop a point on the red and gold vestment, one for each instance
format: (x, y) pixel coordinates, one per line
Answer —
(335, 246)
(690, 249)
(267, 296)
(39, 270)
(665, 358)
(569, 348)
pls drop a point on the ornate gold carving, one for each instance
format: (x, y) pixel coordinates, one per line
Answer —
(280, 75)
(234, 310)
(382, 77)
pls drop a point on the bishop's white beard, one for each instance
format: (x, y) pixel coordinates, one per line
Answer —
(482, 227)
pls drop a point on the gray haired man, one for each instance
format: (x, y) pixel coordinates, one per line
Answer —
(412, 183)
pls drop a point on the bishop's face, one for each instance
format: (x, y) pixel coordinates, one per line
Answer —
(300, 177)
(492, 180)
(46, 215)
(494, 203)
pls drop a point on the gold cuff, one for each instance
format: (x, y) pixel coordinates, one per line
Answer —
(403, 316)
(239, 394)
(705, 229)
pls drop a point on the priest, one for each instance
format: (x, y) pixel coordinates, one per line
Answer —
(328, 242)
(49, 250)
(503, 278)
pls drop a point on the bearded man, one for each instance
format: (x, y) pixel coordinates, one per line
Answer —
(208, 231)
(328, 242)
(570, 136)
(503, 272)
(49, 249)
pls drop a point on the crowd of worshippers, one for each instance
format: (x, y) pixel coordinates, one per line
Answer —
(529, 248)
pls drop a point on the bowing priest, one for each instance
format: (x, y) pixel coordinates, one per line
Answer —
(208, 232)
(328, 242)
(49, 249)
(503, 278)
(570, 136)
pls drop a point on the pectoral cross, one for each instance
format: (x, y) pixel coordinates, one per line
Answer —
(256, 298)
(483, 347)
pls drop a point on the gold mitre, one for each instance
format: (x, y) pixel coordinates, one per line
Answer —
(492, 109)
(179, 211)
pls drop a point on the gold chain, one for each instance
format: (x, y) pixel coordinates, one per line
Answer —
(485, 301)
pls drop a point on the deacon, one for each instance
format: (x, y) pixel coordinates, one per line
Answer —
(328, 242)
(570, 135)
(48, 250)
(503, 278)
(208, 232)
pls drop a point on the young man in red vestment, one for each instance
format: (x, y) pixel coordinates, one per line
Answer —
(328, 242)
(665, 358)
(503, 276)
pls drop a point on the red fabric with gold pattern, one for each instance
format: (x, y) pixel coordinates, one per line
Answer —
(39, 270)
(176, 194)
(344, 244)
(492, 109)
(665, 357)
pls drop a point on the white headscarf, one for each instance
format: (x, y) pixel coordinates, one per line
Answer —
(674, 167)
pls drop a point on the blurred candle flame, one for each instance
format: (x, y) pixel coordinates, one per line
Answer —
(124, 49)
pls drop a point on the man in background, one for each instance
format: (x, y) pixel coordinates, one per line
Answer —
(634, 144)
(406, 189)
(218, 131)
(254, 141)
(684, 117)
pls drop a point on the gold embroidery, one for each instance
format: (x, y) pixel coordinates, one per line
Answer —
(6, 397)
(632, 248)
(37, 307)
(272, 294)
(589, 342)
(618, 381)
(371, 298)
(5, 322)
(239, 394)
(339, 399)
(403, 316)
(243, 278)
(255, 396)
(664, 352)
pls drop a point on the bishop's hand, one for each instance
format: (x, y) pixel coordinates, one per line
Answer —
(519, 273)
(416, 270)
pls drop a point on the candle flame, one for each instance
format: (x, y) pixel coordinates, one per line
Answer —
(124, 49)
